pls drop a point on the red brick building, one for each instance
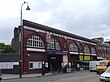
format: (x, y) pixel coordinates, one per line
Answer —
(55, 48)
(103, 48)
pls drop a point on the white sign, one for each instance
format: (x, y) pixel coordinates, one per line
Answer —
(8, 65)
(48, 37)
(36, 64)
(46, 64)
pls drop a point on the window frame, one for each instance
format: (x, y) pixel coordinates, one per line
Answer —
(35, 64)
(73, 47)
(93, 50)
(53, 44)
(35, 41)
(86, 49)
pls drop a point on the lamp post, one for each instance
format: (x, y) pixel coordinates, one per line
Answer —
(21, 38)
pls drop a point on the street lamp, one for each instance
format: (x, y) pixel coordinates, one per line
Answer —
(21, 22)
(21, 38)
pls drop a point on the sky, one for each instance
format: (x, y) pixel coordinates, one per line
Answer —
(86, 18)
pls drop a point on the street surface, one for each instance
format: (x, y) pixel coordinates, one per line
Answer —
(84, 76)
(81, 79)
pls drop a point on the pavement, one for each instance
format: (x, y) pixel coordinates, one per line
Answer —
(16, 76)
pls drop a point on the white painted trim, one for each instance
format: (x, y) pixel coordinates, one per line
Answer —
(34, 29)
(80, 53)
(93, 54)
(33, 49)
(43, 31)
(86, 54)
(73, 52)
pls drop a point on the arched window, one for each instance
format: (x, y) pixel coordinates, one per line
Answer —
(93, 51)
(73, 47)
(35, 41)
(53, 44)
(86, 49)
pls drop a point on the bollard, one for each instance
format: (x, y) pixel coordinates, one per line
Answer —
(0, 78)
(43, 68)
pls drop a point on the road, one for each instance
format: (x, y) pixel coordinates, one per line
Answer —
(81, 79)
(84, 76)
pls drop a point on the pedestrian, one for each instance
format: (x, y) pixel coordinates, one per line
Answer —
(81, 68)
(73, 67)
(51, 69)
(78, 67)
(43, 68)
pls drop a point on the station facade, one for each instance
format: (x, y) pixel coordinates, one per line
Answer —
(52, 47)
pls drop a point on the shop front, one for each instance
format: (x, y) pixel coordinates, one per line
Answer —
(74, 58)
(93, 57)
(84, 61)
(56, 60)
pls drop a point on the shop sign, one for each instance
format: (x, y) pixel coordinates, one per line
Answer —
(65, 58)
(53, 58)
(80, 57)
(48, 37)
(86, 57)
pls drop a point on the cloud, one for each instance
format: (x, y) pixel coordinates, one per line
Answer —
(88, 18)
(6, 29)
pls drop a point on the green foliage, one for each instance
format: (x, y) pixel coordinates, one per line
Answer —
(6, 48)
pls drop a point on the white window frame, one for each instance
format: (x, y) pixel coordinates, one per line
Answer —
(35, 41)
(36, 64)
(93, 51)
(86, 49)
(73, 47)
(53, 44)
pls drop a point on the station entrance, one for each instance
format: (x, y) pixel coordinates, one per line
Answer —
(55, 63)
(55, 60)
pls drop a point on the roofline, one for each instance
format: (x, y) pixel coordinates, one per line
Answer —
(47, 28)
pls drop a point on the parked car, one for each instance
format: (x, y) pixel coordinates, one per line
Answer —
(102, 66)
(92, 65)
(105, 76)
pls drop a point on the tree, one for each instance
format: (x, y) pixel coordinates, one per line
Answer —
(6, 48)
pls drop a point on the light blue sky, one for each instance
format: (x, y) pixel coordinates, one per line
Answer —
(87, 18)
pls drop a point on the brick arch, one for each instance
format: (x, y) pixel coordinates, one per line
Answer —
(86, 45)
(61, 42)
(65, 44)
(73, 42)
(58, 40)
(37, 34)
(91, 46)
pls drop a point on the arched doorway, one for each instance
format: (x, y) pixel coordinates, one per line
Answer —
(74, 55)
(54, 55)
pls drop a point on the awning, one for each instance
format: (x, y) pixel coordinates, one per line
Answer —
(53, 52)
(87, 62)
